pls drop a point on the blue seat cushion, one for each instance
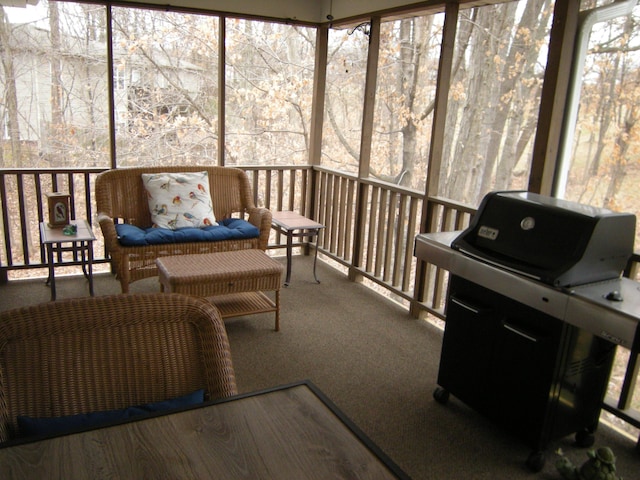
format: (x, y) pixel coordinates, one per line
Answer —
(30, 426)
(228, 229)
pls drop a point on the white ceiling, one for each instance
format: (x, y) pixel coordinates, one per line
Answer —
(314, 11)
(311, 11)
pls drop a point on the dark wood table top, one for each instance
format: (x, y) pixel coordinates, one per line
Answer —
(289, 432)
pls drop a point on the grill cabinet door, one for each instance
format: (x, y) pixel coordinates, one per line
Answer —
(530, 373)
(500, 358)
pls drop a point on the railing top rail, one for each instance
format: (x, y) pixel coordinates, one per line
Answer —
(47, 171)
(448, 203)
(272, 167)
(62, 170)
(393, 187)
(335, 171)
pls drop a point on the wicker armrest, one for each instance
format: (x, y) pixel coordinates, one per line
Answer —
(261, 218)
(108, 227)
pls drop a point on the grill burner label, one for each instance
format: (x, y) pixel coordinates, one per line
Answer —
(488, 233)
(612, 338)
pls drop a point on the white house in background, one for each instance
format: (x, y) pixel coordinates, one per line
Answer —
(141, 85)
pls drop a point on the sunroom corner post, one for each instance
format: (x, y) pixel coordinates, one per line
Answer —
(222, 63)
(317, 118)
(557, 78)
(436, 149)
(373, 55)
(110, 86)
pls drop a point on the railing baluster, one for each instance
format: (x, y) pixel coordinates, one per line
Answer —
(374, 206)
(5, 228)
(87, 197)
(398, 264)
(280, 189)
(24, 224)
(349, 221)
(42, 215)
(292, 190)
(255, 185)
(304, 191)
(386, 246)
(408, 254)
(267, 190)
(329, 220)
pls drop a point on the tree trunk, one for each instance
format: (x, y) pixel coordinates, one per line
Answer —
(56, 69)
(469, 160)
(519, 72)
(608, 93)
(411, 45)
(456, 100)
(619, 161)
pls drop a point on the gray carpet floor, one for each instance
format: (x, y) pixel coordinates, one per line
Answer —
(376, 363)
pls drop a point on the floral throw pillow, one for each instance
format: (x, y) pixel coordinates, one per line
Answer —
(178, 200)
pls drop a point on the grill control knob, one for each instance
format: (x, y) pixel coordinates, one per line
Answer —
(528, 223)
(614, 296)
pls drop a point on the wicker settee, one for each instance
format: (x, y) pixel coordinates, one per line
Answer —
(89, 356)
(121, 199)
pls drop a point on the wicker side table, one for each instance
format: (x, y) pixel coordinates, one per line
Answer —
(234, 281)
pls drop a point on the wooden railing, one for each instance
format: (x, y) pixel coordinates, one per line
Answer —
(370, 228)
(22, 195)
(376, 245)
(442, 216)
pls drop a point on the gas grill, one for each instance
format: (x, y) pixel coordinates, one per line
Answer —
(535, 307)
(557, 242)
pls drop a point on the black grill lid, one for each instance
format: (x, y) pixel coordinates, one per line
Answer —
(556, 241)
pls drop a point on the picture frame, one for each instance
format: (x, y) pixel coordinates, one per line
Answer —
(58, 207)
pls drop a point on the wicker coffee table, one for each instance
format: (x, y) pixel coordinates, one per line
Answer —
(234, 282)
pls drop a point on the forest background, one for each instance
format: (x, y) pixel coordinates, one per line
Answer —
(55, 108)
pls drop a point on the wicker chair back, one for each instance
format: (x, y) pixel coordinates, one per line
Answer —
(104, 353)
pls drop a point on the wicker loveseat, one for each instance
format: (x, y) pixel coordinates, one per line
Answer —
(121, 201)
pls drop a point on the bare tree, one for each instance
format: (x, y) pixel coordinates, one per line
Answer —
(498, 51)
(608, 116)
(10, 93)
